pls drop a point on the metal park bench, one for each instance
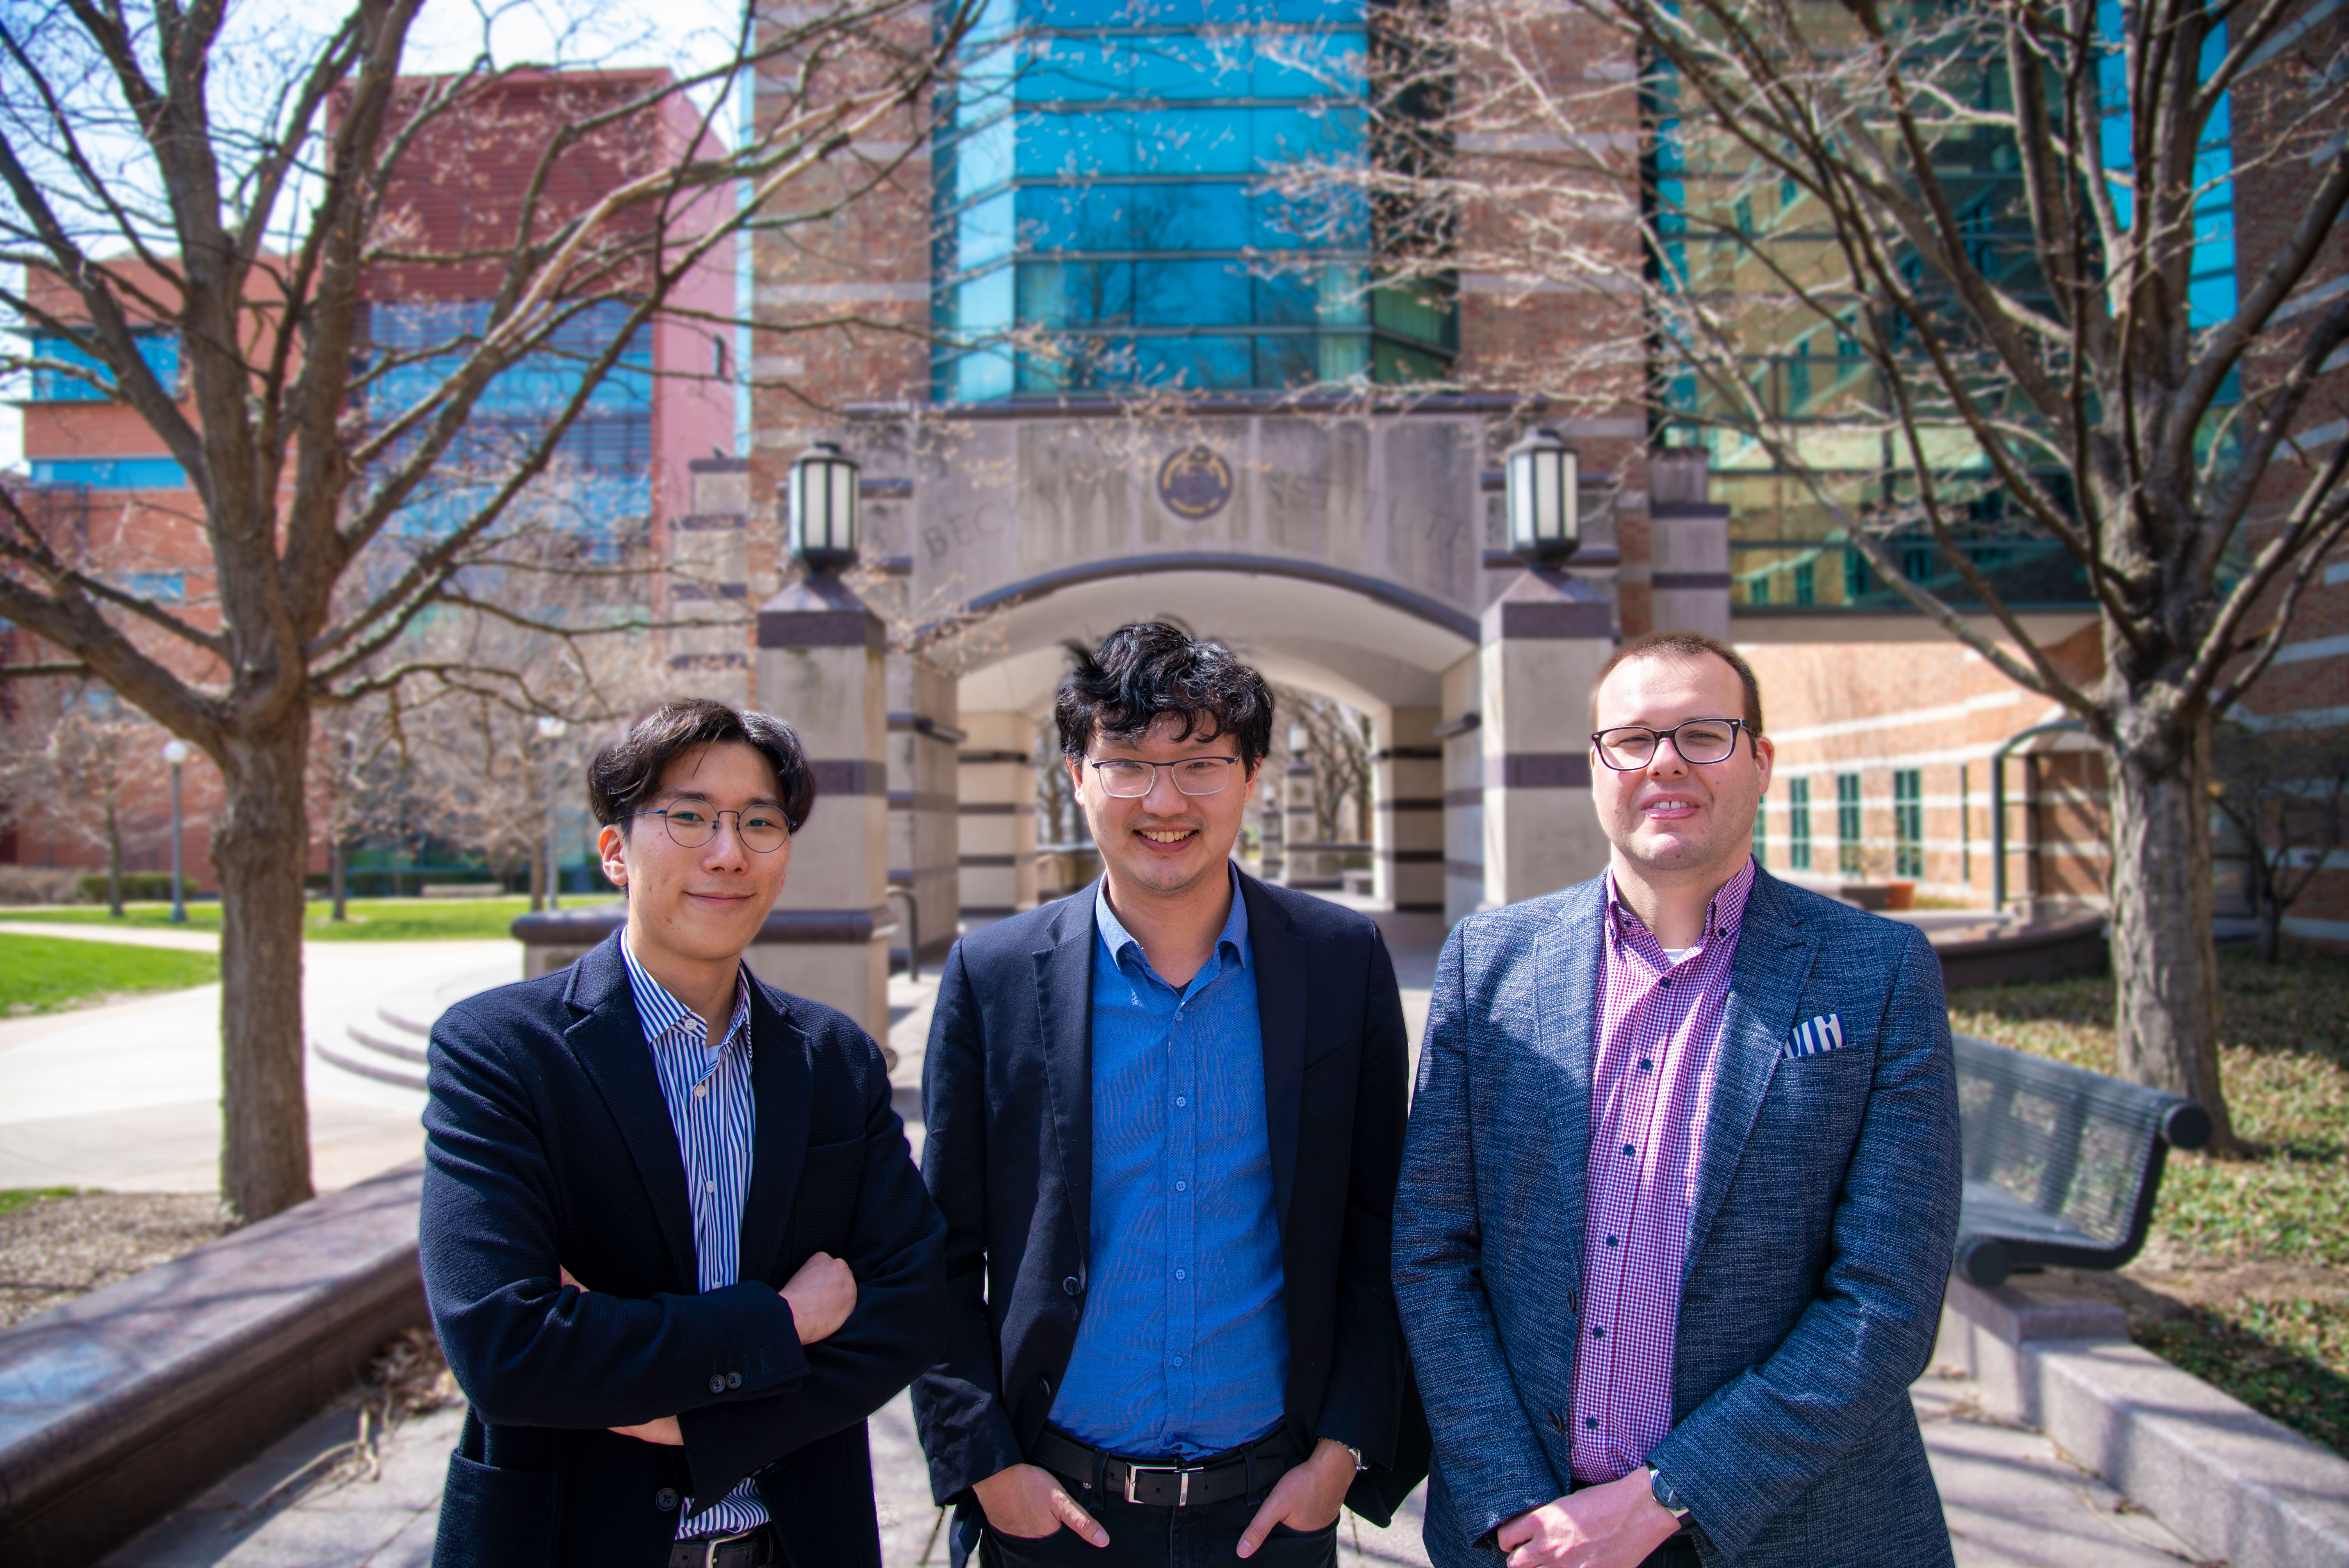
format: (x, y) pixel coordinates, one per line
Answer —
(2062, 1165)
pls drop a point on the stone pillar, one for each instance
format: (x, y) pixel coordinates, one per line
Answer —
(822, 669)
(1545, 640)
(1688, 544)
(1408, 830)
(998, 796)
(925, 837)
(1463, 790)
(1296, 808)
(1272, 830)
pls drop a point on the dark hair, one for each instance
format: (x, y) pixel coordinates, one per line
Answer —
(1147, 670)
(1686, 645)
(626, 773)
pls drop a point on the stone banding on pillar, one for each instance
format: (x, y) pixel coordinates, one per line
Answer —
(1545, 640)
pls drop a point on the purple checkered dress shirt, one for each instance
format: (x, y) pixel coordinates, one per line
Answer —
(1657, 1034)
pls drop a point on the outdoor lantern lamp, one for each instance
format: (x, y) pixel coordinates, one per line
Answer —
(176, 752)
(1544, 511)
(820, 508)
(551, 729)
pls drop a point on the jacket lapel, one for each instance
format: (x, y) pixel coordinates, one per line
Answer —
(1064, 1005)
(1765, 986)
(781, 1079)
(608, 1040)
(1281, 1008)
(1566, 1002)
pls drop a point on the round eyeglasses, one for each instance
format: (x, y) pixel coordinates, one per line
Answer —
(1130, 778)
(1628, 748)
(693, 823)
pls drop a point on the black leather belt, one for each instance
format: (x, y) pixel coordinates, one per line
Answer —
(751, 1549)
(1169, 1483)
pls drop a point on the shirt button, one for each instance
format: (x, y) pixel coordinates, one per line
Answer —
(1182, 1186)
(1610, 1241)
(712, 1186)
(1598, 1333)
(1178, 1361)
(1180, 1102)
(1629, 1151)
(1590, 1423)
(1646, 1066)
(1180, 1273)
(700, 1089)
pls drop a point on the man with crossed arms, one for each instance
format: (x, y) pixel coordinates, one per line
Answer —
(1680, 1184)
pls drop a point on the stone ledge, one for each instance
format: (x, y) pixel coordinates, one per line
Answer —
(115, 1408)
(2235, 1485)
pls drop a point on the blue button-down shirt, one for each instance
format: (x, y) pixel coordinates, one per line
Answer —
(710, 1105)
(1184, 1345)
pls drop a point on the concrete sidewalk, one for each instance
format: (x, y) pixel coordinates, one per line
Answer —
(2013, 1502)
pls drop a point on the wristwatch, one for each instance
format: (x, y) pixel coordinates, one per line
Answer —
(1666, 1498)
(1359, 1466)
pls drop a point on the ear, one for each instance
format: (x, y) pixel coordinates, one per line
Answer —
(611, 848)
(1765, 758)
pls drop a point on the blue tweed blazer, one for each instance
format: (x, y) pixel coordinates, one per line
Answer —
(1818, 1245)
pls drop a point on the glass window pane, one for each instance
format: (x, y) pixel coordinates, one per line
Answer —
(1190, 294)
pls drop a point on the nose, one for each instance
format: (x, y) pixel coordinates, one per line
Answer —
(1164, 799)
(726, 845)
(1666, 761)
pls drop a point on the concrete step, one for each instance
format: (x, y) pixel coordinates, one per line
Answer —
(354, 1057)
(396, 1043)
(412, 1015)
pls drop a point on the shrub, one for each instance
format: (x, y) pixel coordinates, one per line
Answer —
(137, 887)
(39, 884)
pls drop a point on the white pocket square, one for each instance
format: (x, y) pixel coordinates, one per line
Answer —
(1814, 1038)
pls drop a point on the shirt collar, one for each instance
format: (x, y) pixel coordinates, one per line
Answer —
(1722, 916)
(660, 1013)
(1117, 939)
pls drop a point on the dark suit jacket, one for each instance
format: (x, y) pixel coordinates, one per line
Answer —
(549, 1143)
(1007, 1095)
(1819, 1243)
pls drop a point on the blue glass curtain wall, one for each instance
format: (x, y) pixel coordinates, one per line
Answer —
(1108, 219)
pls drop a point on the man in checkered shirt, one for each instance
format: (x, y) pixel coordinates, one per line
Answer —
(1680, 1184)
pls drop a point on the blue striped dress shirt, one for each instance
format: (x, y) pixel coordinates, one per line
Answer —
(1184, 1345)
(709, 1104)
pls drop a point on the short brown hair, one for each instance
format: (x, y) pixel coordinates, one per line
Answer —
(626, 773)
(1686, 645)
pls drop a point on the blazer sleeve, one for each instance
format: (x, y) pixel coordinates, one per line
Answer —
(1493, 1465)
(959, 1406)
(1368, 1363)
(895, 1252)
(528, 1350)
(1761, 1440)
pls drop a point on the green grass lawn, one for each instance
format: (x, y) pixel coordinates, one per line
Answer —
(371, 919)
(14, 1198)
(47, 973)
(2256, 1249)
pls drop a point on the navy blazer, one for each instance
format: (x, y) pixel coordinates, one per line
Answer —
(1007, 1092)
(548, 1144)
(1818, 1244)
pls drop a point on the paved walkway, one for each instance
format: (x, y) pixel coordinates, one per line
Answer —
(2013, 1501)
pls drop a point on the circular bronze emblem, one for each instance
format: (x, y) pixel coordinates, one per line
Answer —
(1194, 483)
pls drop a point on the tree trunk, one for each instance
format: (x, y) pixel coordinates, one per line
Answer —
(338, 859)
(113, 862)
(258, 853)
(538, 869)
(2165, 959)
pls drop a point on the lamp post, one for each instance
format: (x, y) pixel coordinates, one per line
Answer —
(176, 752)
(1545, 505)
(820, 509)
(551, 729)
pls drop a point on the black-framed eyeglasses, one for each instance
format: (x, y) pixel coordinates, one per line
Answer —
(1628, 748)
(693, 823)
(1130, 778)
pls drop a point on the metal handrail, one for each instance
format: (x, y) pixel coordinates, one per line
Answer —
(1998, 800)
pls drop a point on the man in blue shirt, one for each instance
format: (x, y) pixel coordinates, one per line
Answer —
(1165, 1118)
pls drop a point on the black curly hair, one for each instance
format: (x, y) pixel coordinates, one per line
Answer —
(1142, 672)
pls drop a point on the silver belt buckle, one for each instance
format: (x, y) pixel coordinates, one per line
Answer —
(710, 1546)
(1182, 1494)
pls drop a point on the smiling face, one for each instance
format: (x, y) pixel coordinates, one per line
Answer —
(699, 906)
(1164, 842)
(1672, 818)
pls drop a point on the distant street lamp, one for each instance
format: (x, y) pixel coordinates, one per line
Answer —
(820, 509)
(1545, 507)
(176, 752)
(551, 729)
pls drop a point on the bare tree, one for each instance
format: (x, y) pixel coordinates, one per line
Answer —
(174, 168)
(1971, 234)
(95, 752)
(2285, 790)
(1338, 743)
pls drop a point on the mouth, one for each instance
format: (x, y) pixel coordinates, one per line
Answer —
(1669, 809)
(717, 897)
(1166, 837)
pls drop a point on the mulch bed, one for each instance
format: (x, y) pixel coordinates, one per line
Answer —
(58, 1248)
